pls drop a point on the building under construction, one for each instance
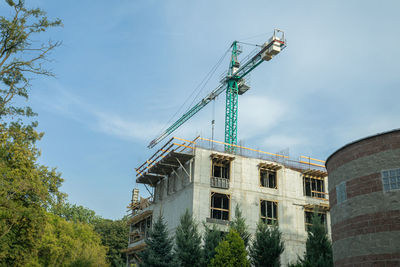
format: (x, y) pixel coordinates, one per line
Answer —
(201, 176)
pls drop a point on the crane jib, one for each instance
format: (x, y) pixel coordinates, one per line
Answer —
(243, 70)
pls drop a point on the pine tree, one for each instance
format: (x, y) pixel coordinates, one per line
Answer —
(267, 246)
(188, 241)
(231, 252)
(158, 252)
(318, 246)
(239, 225)
(212, 237)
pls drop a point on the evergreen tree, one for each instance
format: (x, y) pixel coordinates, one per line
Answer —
(318, 246)
(158, 252)
(231, 252)
(188, 241)
(239, 225)
(267, 246)
(212, 237)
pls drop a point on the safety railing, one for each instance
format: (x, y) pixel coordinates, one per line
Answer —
(176, 144)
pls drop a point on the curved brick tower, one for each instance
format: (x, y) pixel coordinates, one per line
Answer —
(364, 195)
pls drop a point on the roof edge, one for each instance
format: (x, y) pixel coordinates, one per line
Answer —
(359, 140)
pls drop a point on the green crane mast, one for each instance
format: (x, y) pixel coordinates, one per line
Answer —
(234, 85)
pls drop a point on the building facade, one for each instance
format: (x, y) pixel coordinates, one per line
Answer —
(364, 184)
(201, 177)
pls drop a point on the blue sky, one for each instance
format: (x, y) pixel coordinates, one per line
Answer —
(125, 67)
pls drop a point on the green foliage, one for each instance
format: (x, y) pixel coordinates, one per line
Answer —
(188, 240)
(230, 252)
(158, 252)
(212, 237)
(267, 246)
(114, 235)
(27, 189)
(70, 244)
(20, 59)
(239, 225)
(75, 213)
(318, 246)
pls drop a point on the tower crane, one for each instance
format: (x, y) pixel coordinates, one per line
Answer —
(234, 85)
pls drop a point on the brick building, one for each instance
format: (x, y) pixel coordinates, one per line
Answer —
(364, 190)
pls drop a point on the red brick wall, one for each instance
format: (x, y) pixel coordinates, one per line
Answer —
(366, 224)
(377, 260)
(364, 185)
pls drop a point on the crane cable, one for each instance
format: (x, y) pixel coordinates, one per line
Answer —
(202, 84)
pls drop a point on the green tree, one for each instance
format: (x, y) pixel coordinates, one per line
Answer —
(27, 189)
(158, 252)
(318, 246)
(75, 213)
(267, 246)
(188, 241)
(230, 252)
(212, 237)
(20, 58)
(70, 244)
(114, 235)
(239, 225)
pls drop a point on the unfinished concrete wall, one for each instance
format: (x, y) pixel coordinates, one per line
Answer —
(173, 196)
(246, 191)
(180, 191)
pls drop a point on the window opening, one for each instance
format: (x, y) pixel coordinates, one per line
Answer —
(269, 211)
(220, 170)
(140, 230)
(341, 194)
(268, 178)
(391, 180)
(308, 218)
(314, 187)
(220, 206)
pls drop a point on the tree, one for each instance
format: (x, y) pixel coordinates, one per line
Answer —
(75, 213)
(230, 252)
(70, 244)
(20, 59)
(318, 246)
(239, 225)
(27, 189)
(267, 246)
(188, 240)
(212, 237)
(158, 252)
(114, 235)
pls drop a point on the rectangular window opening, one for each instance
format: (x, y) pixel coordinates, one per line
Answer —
(314, 187)
(269, 211)
(220, 169)
(220, 206)
(268, 178)
(391, 180)
(308, 218)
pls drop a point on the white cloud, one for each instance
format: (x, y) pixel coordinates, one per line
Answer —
(116, 125)
(282, 141)
(257, 115)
